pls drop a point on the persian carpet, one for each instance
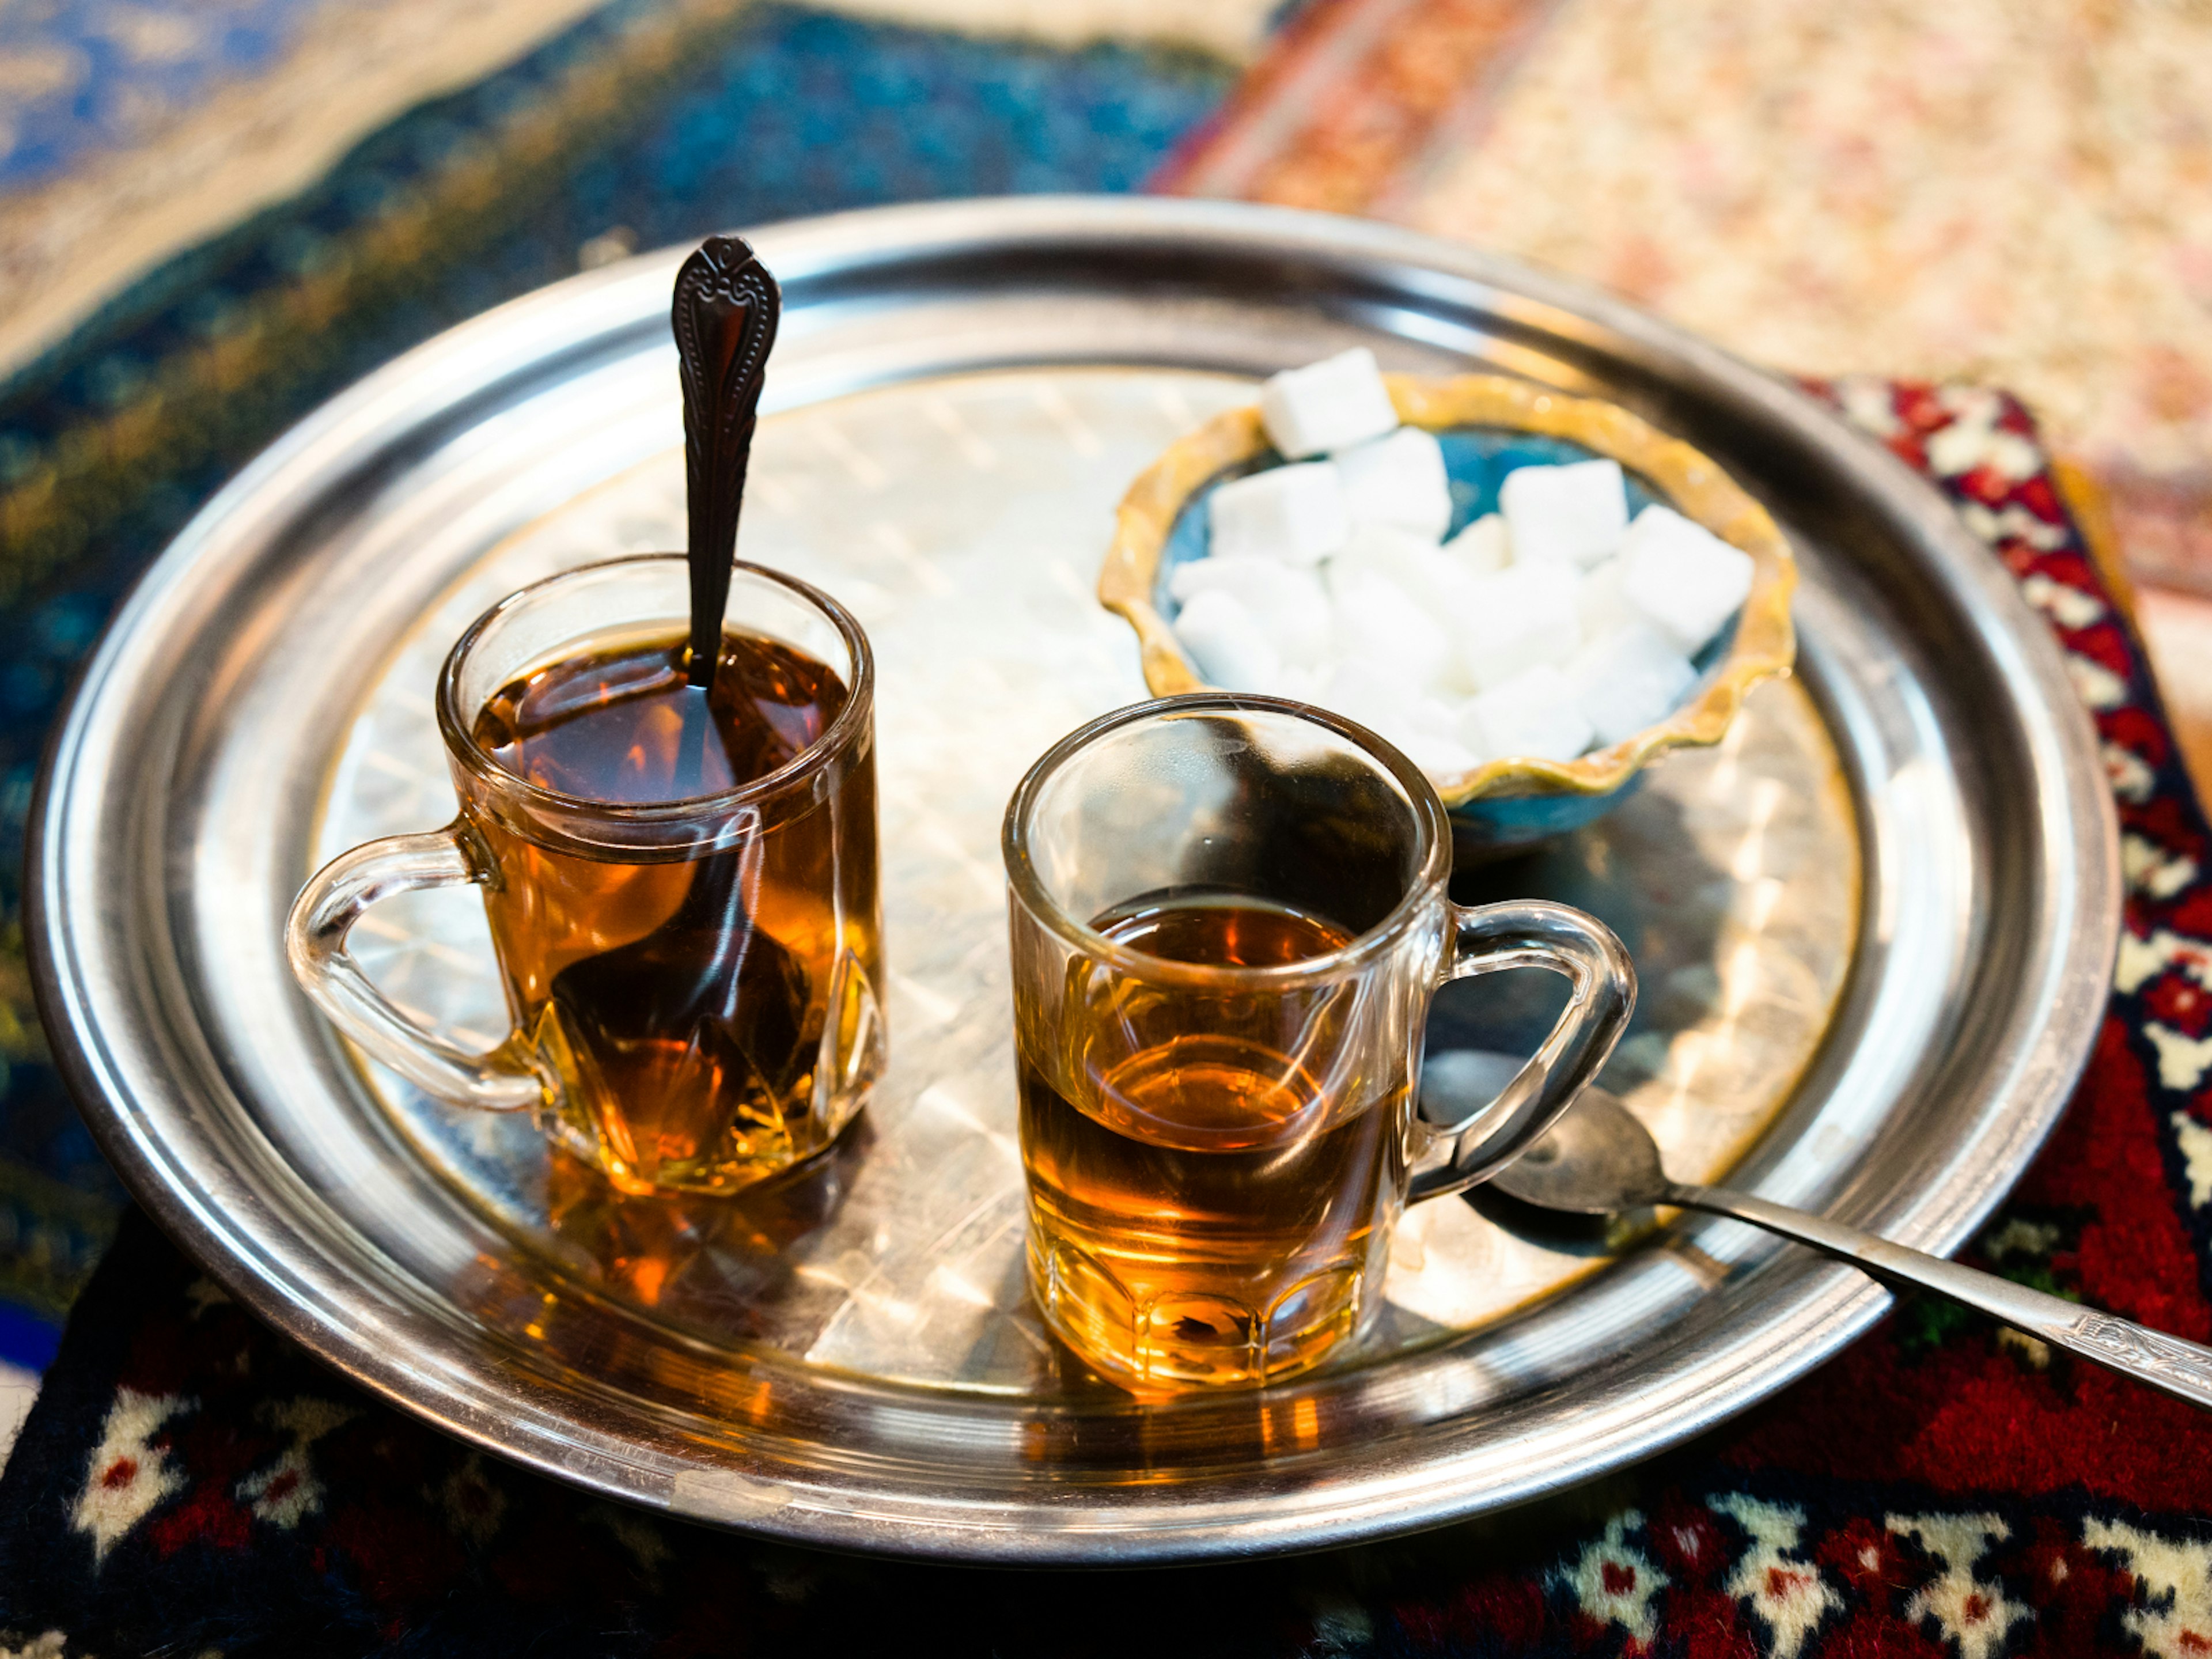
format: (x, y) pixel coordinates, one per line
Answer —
(188, 1482)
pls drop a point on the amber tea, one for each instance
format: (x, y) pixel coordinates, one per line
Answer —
(1202, 1209)
(1228, 916)
(699, 1012)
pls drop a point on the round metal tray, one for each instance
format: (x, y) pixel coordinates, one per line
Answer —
(1876, 926)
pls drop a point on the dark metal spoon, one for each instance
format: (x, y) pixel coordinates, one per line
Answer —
(725, 315)
(710, 984)
(1599, 1160)
(708, 981)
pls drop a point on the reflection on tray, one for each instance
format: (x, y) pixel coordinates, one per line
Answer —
(1732, 876)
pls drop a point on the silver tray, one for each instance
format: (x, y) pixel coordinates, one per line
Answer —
(1876, 926)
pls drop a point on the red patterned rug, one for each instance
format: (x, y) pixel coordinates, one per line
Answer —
(188, 1483)
(1354, 101)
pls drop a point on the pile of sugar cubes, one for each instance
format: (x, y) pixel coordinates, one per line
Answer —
(1549, 628)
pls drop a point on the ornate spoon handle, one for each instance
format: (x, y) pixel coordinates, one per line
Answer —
(2181, 1369)
(725, 315)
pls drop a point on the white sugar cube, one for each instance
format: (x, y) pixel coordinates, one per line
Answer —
(1332, 404)
(1439, 754)
(1601, 606)
(1518, 617)
(1239, 576)
(1358, 689)
(1682, 577)
(1573, 515)
(1378, 621)
(1439, 585)
(1374, 694)
(1483, 546)
(1226, 643)
(1289, 603)
(1295, 514)
(1628, 681)
(1387, 701)
(1400, 481)
(1298, 620)
(1532, 716)
(1372, 551)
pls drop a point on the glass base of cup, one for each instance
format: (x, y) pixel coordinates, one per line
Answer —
(1193, 1339)
(719, 1178)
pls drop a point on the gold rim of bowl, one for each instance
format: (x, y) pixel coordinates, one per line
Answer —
(1688, 480)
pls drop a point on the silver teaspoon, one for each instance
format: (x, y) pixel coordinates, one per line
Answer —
(1599, 1160)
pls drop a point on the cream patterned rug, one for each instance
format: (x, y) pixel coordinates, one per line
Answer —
(2018, 191)
(1230, 28)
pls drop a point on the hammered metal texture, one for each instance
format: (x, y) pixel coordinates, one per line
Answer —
(963, 521)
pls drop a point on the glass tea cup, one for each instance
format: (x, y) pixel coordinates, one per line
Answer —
(1228, 919)
(685, 909)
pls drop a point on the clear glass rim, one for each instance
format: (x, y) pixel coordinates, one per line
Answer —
(851, 720)
(1432, 827)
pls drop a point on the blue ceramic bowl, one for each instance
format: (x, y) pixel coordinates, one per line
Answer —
(1487, 426)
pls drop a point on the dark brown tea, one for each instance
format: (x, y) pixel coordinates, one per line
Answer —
(710, 1016)
(1207, 1190)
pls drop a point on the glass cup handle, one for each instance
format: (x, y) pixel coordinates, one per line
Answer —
(1532, 933)
(336, 896)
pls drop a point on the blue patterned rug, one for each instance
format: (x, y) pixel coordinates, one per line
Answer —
(84, 76)
(647, 123)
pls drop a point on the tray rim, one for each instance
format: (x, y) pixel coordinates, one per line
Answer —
(1825, 1306)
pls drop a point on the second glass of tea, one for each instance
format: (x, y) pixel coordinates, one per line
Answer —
(682, 887)
(1228, 917)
